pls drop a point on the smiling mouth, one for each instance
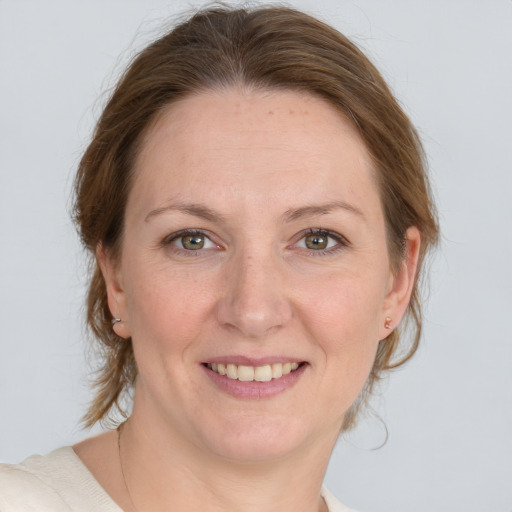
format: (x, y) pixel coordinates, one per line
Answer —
(245, 373)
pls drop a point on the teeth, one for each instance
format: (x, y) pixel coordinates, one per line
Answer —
(277, 370)
(245, 373)
(263, 373)
(232, 371)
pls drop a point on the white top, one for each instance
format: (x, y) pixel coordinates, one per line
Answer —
(60, 482)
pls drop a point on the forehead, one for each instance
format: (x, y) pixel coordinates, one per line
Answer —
(253, 145)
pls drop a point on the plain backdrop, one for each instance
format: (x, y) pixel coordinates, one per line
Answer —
(448, 412)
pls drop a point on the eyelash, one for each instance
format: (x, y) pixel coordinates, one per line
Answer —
(186, 232)
(341, 241)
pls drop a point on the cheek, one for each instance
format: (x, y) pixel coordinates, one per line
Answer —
(166, 309)
(346, 308)
(343, 317)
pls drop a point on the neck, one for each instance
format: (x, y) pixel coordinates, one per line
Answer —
(164, 472)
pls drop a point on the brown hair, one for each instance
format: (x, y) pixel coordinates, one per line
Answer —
(265, 47)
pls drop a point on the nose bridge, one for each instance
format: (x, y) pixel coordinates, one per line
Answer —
(254, 300)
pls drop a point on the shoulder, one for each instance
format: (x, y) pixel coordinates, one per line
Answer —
(28, 486)
(332, 502)
(57, 482)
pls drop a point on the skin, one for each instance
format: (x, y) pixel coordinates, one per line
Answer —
(268, 167)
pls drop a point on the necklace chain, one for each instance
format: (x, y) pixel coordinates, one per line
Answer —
(119, 432)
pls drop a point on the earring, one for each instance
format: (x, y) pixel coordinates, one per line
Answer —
(116, 322)
(387, 323)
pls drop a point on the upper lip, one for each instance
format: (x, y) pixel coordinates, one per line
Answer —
(253, 361)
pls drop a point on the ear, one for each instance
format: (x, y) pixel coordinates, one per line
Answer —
(115, 292)
(402, 284)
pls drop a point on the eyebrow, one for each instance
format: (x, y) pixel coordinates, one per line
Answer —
(203, 212)
(197, 210)
(323, 209)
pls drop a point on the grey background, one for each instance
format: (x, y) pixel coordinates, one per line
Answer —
(449, 412)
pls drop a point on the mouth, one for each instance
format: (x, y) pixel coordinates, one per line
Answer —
(244, 373)
(262, 379)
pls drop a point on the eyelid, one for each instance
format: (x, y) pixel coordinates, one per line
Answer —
(341, 241)
(169, 239)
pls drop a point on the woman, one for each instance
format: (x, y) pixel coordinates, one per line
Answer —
(258, 210)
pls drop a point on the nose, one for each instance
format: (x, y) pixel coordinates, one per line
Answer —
(254, 300)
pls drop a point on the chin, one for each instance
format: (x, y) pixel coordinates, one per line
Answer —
(257, 441)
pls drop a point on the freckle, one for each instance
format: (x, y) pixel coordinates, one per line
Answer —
(271, 112)
(292, 112)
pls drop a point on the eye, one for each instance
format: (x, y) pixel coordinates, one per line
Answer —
(191, 240)
(320, 240)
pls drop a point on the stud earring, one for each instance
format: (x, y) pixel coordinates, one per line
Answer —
(115, 321)
(387, 323)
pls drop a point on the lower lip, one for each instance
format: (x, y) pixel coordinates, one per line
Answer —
(255, 390)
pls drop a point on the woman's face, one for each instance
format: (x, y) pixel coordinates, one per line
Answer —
(254, 244)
